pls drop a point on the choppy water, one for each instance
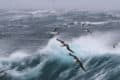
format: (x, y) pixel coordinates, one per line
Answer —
(30, 54)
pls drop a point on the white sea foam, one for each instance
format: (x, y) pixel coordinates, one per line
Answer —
(15, 56)
(96, 44)
(99, 22)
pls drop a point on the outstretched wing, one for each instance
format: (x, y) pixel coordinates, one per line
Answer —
(70, 49)
(78, 61)
(88, 30)
(60, 41)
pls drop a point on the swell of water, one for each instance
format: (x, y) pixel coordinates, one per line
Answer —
(53, 62)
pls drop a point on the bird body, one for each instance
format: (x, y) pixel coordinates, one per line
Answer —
(53, 33)
(87, 30)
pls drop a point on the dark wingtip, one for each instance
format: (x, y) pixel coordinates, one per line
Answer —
(54, 29)
(84, 70)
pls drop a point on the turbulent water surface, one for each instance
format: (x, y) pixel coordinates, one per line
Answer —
(30, 53)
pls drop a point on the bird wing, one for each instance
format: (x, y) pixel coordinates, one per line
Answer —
(60, 41)
(69, 49)
(88, 30)
(54, 29)
(80, 63)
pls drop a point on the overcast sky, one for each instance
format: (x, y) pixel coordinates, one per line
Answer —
(64, 4)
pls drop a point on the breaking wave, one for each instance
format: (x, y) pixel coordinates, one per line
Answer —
(53, 62)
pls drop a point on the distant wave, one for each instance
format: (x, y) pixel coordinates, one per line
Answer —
(99, 22)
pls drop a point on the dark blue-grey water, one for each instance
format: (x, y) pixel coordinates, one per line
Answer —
(30, 53)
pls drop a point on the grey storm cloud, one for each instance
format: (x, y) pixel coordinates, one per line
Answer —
(64, 4)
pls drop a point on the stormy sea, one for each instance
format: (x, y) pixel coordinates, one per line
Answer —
(29, 52)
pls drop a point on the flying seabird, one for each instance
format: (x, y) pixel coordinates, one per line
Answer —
(77, 60)
(83, 25)
(73, 23)
(85, 28)
(65, 45)
(114, 45)
(88, 30)
(54, 32)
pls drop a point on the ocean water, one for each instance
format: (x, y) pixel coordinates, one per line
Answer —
(30, 53)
